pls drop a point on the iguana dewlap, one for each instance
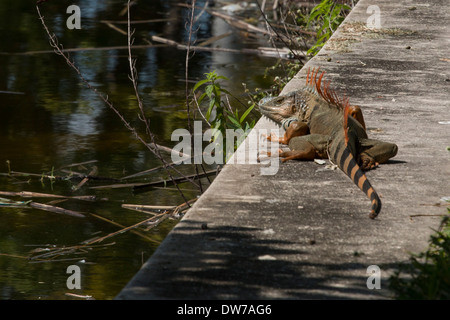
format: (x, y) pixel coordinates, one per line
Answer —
(320, 124)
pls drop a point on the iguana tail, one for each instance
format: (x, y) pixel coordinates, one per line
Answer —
(342, 155)
(347, 163)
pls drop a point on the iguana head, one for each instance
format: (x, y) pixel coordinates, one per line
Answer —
(280, 108)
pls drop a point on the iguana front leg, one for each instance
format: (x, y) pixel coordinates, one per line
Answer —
(374, 152)
(296, 129)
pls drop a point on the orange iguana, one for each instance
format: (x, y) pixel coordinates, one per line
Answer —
(320, 124)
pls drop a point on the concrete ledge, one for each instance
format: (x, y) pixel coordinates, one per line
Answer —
(304, 232)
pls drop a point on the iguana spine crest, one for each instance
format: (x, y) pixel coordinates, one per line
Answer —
(346, 115)
(324, 90)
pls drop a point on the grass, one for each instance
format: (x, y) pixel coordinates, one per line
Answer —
(427, 276)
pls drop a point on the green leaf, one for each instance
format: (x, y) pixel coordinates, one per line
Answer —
(234, 121)
(209, 90)
(199, 100)
(200, 83)
(210, 109)
(246, 113)
(211, 76)
(221, 77)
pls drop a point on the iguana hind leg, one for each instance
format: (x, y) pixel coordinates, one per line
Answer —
(307, 148)
(375, 152)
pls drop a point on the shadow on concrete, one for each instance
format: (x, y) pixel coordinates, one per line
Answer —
(229, 262)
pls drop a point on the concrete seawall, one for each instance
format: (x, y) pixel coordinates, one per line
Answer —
(304, 232)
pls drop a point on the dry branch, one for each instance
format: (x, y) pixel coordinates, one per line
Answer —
(93, 172)
(146, 208)
(261, 51)
(138, 21)
(27, 194)
(178, 180)
(121, 226)
(50, 208)
(214, 39)
(126, 229)
(69, 50)
(139, 186)
(115, 28)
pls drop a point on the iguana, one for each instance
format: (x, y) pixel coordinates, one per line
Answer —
(321, 124)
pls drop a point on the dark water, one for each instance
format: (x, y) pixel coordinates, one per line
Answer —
(48, 119)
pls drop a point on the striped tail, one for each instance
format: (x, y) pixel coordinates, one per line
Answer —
(347, 163)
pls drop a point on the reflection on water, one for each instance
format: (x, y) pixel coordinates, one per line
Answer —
(56, 121)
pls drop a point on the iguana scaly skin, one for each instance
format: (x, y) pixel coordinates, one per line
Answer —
(320, 124)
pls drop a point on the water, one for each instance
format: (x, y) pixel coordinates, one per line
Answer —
(48, 119)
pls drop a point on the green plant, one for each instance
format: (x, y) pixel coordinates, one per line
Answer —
(220, 115)
(328, 15)
(429, 272)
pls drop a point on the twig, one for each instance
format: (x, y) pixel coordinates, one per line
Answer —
(259, 51)
(53, 252)
(183, 206)
(138, 186)
(79, 164)
(12, 92)
(146, 208)
(239, 23)
(138, 21)
(169, 150)
(179, 180)
(214, 39)
(121, 226)
(13, 256)
(87, 297)
(27, 174)
(115, 28)
(93, 172)
(59, 260)
(78, 175)
(143, 118)
(199, 110)
(141, 46)
(27, 194)
(188, 111)
(50, 208)
(125, 229)
(145, 172)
